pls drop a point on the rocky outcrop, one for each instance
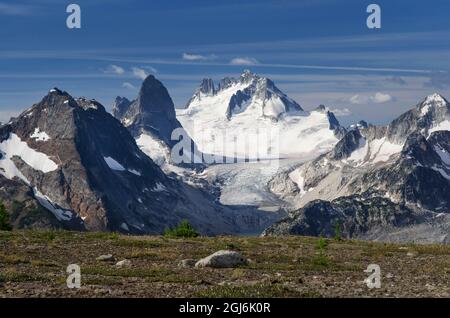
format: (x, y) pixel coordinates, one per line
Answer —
(152, 112)
(120, 106)
(351, 217)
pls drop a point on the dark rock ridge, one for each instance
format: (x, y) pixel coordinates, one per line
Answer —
(354, 218)
(153, 114)
(92, 176)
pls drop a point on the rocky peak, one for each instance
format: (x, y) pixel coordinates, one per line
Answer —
(120, 106)
(225, 83)
(153, 112)
(320, 108)
(207, 87)
(435, 99)
(428, 114)
(349, 143)
(247, 76)
(432, 103)
(154, 98)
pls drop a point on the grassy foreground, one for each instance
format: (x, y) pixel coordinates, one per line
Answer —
(33, 264)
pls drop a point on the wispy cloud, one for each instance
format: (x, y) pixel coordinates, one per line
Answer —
(198, 57)
(377, 98)
(139, 73)
(244, 61)
(16, 9)
(397, 80)
(129, 86)
(438, 80)
(341, 112)
(114, 69)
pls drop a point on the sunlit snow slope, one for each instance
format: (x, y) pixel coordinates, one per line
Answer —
(251, 118)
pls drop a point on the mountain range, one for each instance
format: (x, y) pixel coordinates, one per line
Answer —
(376, 180)
(67, 163)
(70, 157)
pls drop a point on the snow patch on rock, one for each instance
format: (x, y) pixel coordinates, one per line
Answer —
(113, 164)
(40, 135)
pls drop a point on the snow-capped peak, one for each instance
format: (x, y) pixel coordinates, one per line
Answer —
(252, 105)
(248, 76)
(435, 100)
(249, 91)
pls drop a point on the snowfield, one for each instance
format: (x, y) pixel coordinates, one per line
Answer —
(15, 147)
(113, 164)
(153, 148)
(378, 150)
(250, 133)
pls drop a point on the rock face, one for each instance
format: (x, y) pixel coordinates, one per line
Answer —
(86, 172)
(152, 112)
(120, 106)
(354, 217)
(151, 119)
(222, 259)
(406, 163)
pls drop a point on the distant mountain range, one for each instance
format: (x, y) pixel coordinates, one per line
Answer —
(378, 179)
(66, 162)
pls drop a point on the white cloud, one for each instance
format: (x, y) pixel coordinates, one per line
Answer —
(378, 98)
(243, 61)
(198, 57)
(114, 69)
(341, 112)
(129, 86)
(139, 73)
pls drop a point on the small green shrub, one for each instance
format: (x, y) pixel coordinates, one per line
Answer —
(184, 229)
(4, 219)
(322, 244)
(337, 231)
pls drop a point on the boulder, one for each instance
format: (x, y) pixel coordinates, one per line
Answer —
(187, 263)
(106, 258)
(123, 263)
(223, 259)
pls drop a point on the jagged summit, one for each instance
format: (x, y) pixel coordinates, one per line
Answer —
(253, 105)
(238, 93)
(435, 98)
(120, 106)
(151, 112)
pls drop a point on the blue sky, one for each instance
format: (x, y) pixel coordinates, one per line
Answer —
(317, 51)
